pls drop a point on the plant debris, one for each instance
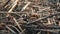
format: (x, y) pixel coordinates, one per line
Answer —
(29, 16)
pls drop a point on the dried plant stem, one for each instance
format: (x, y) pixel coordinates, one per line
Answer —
(22, 31)
(14, 5)
(39, 32)
(17, 24)
(15, 28)
(49, 21)
(25, 6)
(10, 29)
(12, 12)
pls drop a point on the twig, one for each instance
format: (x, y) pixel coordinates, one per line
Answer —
(44, 17)
(17, 24)
(22, 31)
(25, 6)
(10, 29)
(39, 32)
(15, 28)
(12, 12)
(14, 5)
(49, 21)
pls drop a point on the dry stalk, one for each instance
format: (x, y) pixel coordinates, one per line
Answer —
(10, 29)
(25, 6)
(15, 28)
(22, 31)
(17, 24)
(12, 12)
(14, 5)
(49, 21)
(39, 32)
(7, 5)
